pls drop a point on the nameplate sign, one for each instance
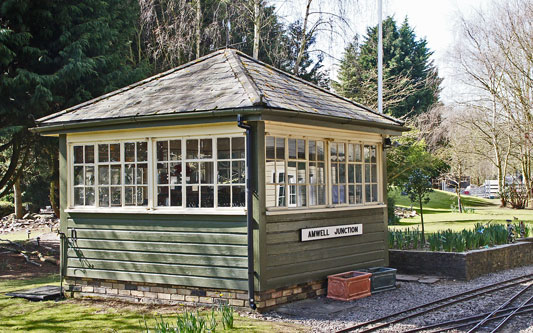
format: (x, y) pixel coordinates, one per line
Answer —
(331, 232)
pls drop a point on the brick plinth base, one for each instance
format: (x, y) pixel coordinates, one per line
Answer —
(152, 293)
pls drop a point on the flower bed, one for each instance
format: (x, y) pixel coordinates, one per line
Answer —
(463, 265)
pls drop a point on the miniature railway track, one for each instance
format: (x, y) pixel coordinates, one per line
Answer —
(416, 311)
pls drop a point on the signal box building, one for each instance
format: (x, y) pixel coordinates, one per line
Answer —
(222, 180)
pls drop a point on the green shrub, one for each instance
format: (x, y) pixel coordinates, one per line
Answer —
(189, 322)
(227, 316)
(393, 219)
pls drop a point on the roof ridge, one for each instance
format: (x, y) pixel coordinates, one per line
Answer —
(318, 87)
(131, 86)
(254, 93)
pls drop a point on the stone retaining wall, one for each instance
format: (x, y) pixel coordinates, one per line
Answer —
(151, 293)
(464, 265)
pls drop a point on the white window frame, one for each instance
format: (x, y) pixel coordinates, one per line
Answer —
(152, 174)
(329, 136)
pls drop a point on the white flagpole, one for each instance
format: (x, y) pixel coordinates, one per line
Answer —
(380, 59)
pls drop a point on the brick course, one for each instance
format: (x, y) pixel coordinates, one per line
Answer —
(170, 294)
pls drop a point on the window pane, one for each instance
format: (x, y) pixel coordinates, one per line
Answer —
(192, 173)
(313, 199)
(129, 174)
(351, 194)
(312, 150)
(280, 148)
(142, 151)
(175, 173)
(129, 152)
(351, 173)
(78, 175)
(280, 195)
(373, 154)
(103, 153)
(340, 148)
(114, 152)
(358, 157)
(238, 172)
(192, 149)
(333, 151)
(142, 173)
(192, 196)
(224, 172)
(162, 196)
(313, 177)
(207, 173)
(162, 173)
(89, 154)
(103, 197)
(89, 196)
(79, 196)
(223, 148)
(291, 172)
(301, 149)
(322, 195)
(269, 142)
(367, 154)
(103, 174)
(280, 172)
(162, 150)
(89, 175)
(175, 150)
(142, 196)
(175, 196)
(302, 196)
(301, 173)
(367, 173)
(224, 196)
(350, 152)
(78, 154)
(359, 193)
(358, 173)
(335, 194)
(207, 195)
(334, 173)
(206, 148)
(129, 197)
(292, 148)
(374, 173)
(237, 147)
(321, 173)
(342, 173)
(320, 150)
(116, 197)
(374, 193)
(342, 194)
(115, 175)
(367, 193)
(239, 196)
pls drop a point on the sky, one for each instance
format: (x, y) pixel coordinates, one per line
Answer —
(434, 20)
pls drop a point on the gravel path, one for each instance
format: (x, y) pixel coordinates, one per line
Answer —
(407, 295)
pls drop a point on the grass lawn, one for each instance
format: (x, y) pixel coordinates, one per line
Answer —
(98, 316)
(23, 235)
(439, 216)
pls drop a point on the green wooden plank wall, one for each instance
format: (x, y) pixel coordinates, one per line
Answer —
(289, 261)
(190, 250)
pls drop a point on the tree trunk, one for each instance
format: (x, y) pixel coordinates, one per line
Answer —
(18, 199)
(257, 29)
(198, 27)
(303, 41)
(458, 193)
(422, 222)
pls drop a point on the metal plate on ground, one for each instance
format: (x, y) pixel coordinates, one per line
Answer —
(44, 293)
(318, 307)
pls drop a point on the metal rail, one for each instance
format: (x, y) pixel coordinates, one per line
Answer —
(469, 320)
(500, 324)
(475, 292)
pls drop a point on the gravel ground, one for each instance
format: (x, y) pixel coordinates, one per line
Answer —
(407, 295)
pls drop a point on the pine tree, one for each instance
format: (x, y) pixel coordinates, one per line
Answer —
(55, 54)
(410, 79)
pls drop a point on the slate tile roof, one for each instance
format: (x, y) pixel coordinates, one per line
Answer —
(226, 79)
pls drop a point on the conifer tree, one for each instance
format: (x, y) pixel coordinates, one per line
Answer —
(411, 82)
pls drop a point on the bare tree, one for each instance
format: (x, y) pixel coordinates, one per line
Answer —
(496, 59)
